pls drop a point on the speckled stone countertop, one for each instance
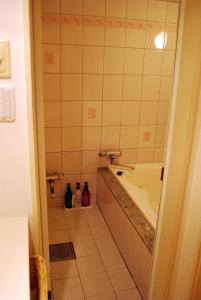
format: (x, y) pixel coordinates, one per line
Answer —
(134, 214)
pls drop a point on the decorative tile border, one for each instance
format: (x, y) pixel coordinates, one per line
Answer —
(107, 22)
(136, 217)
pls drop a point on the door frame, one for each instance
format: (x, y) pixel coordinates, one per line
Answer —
(176, 252)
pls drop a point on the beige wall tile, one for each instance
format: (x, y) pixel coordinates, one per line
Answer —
(71, 162)
(92, 87)
(111, 113)
(132, 87)
(51, 87)
(129, 136)
(51, 6)
(91, 113)
(168, 63)
(91, 137)
(93, 59)
(74, 7)
(71, 139)
(115, 36)
(156, 10)
(171, 30)
(159, 154)
(51, 58)
(130, 113)
(151, 88)
(91, 179)
(51, 32)
(71, 59)
(113, 60)
(71, 87)
(161, 132)
(137, 9)
(148, 112)
(52, 114)
(128, 156)
(166, 88)
(146, 136)
(52, 139)
(71, 112)
(152, 31)
(90, 161)
(93, 35)
(145, 155)
(133, 61)
(94, 8)
(71, 34)
(172, 12)
(153, 62)
(163, 112)
(135, 37)
(116, 8)
(53, 162)
(112, 87)
(110, 137)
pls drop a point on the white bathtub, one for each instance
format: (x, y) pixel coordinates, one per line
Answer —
(144, 186)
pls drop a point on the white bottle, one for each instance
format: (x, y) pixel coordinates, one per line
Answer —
(78, 195)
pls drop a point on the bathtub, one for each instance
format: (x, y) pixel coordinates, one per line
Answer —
(143, 185)
(129, 204)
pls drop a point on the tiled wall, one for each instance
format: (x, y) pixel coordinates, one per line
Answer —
(106, 86)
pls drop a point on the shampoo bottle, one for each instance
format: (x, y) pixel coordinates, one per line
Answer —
(78, 195)
(86, 195)
(68, 197)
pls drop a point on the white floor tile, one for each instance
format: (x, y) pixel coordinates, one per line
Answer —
(100, 231)
(69, 288)
(90, 265)
(80, 234)
(113, 261)
(106, 245)
(128, 295)
(58, 236)
(63, 269)
(85, 248)
(96, 284)
(76, 220)
(110, 296)
(121, 279)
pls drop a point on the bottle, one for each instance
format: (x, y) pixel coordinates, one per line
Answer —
(68, 197)
(78, 195)
(86, 195)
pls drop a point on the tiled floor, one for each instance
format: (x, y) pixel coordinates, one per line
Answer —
(99, 272)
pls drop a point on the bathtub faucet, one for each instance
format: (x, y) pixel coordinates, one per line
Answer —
(111, 155)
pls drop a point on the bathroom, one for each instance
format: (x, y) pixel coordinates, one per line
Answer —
(106, 80)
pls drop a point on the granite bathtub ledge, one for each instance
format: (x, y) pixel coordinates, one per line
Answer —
(134, 214)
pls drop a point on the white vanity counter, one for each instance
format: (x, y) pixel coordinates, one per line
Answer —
(14, 259)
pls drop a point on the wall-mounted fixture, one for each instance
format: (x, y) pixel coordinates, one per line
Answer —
(50, 178)
(111, 155)
(7, 103)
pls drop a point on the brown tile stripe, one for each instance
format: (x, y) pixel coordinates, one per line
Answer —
(134, 214)
(107, 22)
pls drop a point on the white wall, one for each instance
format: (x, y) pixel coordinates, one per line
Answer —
(15, 185)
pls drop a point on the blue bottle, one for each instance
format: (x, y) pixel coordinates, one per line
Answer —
(68, 197)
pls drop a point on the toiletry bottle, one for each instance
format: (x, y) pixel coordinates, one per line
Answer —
(78, 195)
(86, 195)
(68, 197)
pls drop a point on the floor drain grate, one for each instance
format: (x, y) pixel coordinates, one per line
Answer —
(64, 251)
